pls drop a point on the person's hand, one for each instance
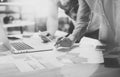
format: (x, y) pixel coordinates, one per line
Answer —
(64, 42)
(46, 36)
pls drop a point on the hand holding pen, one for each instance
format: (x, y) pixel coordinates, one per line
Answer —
(63, 42)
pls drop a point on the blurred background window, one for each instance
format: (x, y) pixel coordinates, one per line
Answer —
(35, 11)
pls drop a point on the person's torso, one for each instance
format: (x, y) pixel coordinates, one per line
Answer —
(71, 9)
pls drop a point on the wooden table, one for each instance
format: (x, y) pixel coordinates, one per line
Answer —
(8, 69)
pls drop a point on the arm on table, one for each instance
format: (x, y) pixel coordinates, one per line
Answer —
(82, 20)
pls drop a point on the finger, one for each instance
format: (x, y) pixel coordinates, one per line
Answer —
(57, 46)
(46, 39)
(58, 41)
(59, 38)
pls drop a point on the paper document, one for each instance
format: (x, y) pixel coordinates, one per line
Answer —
(23, 66)
(26, 63)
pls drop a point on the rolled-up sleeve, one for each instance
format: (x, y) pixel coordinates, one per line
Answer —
(82, 20)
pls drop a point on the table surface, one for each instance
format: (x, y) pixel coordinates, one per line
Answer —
(77, 69)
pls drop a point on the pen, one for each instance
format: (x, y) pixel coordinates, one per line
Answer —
(59, 40)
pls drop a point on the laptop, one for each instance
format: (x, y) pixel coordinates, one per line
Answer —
(26, 45)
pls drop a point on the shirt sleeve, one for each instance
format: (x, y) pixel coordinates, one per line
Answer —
(82, 20)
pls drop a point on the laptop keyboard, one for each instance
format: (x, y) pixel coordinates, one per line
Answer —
(21, 46)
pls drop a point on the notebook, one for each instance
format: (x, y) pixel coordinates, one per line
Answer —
(23, 46)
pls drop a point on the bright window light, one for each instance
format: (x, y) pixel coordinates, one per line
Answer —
(38, 8)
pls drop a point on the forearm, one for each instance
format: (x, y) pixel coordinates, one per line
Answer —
(82, 20)
(79, 32)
